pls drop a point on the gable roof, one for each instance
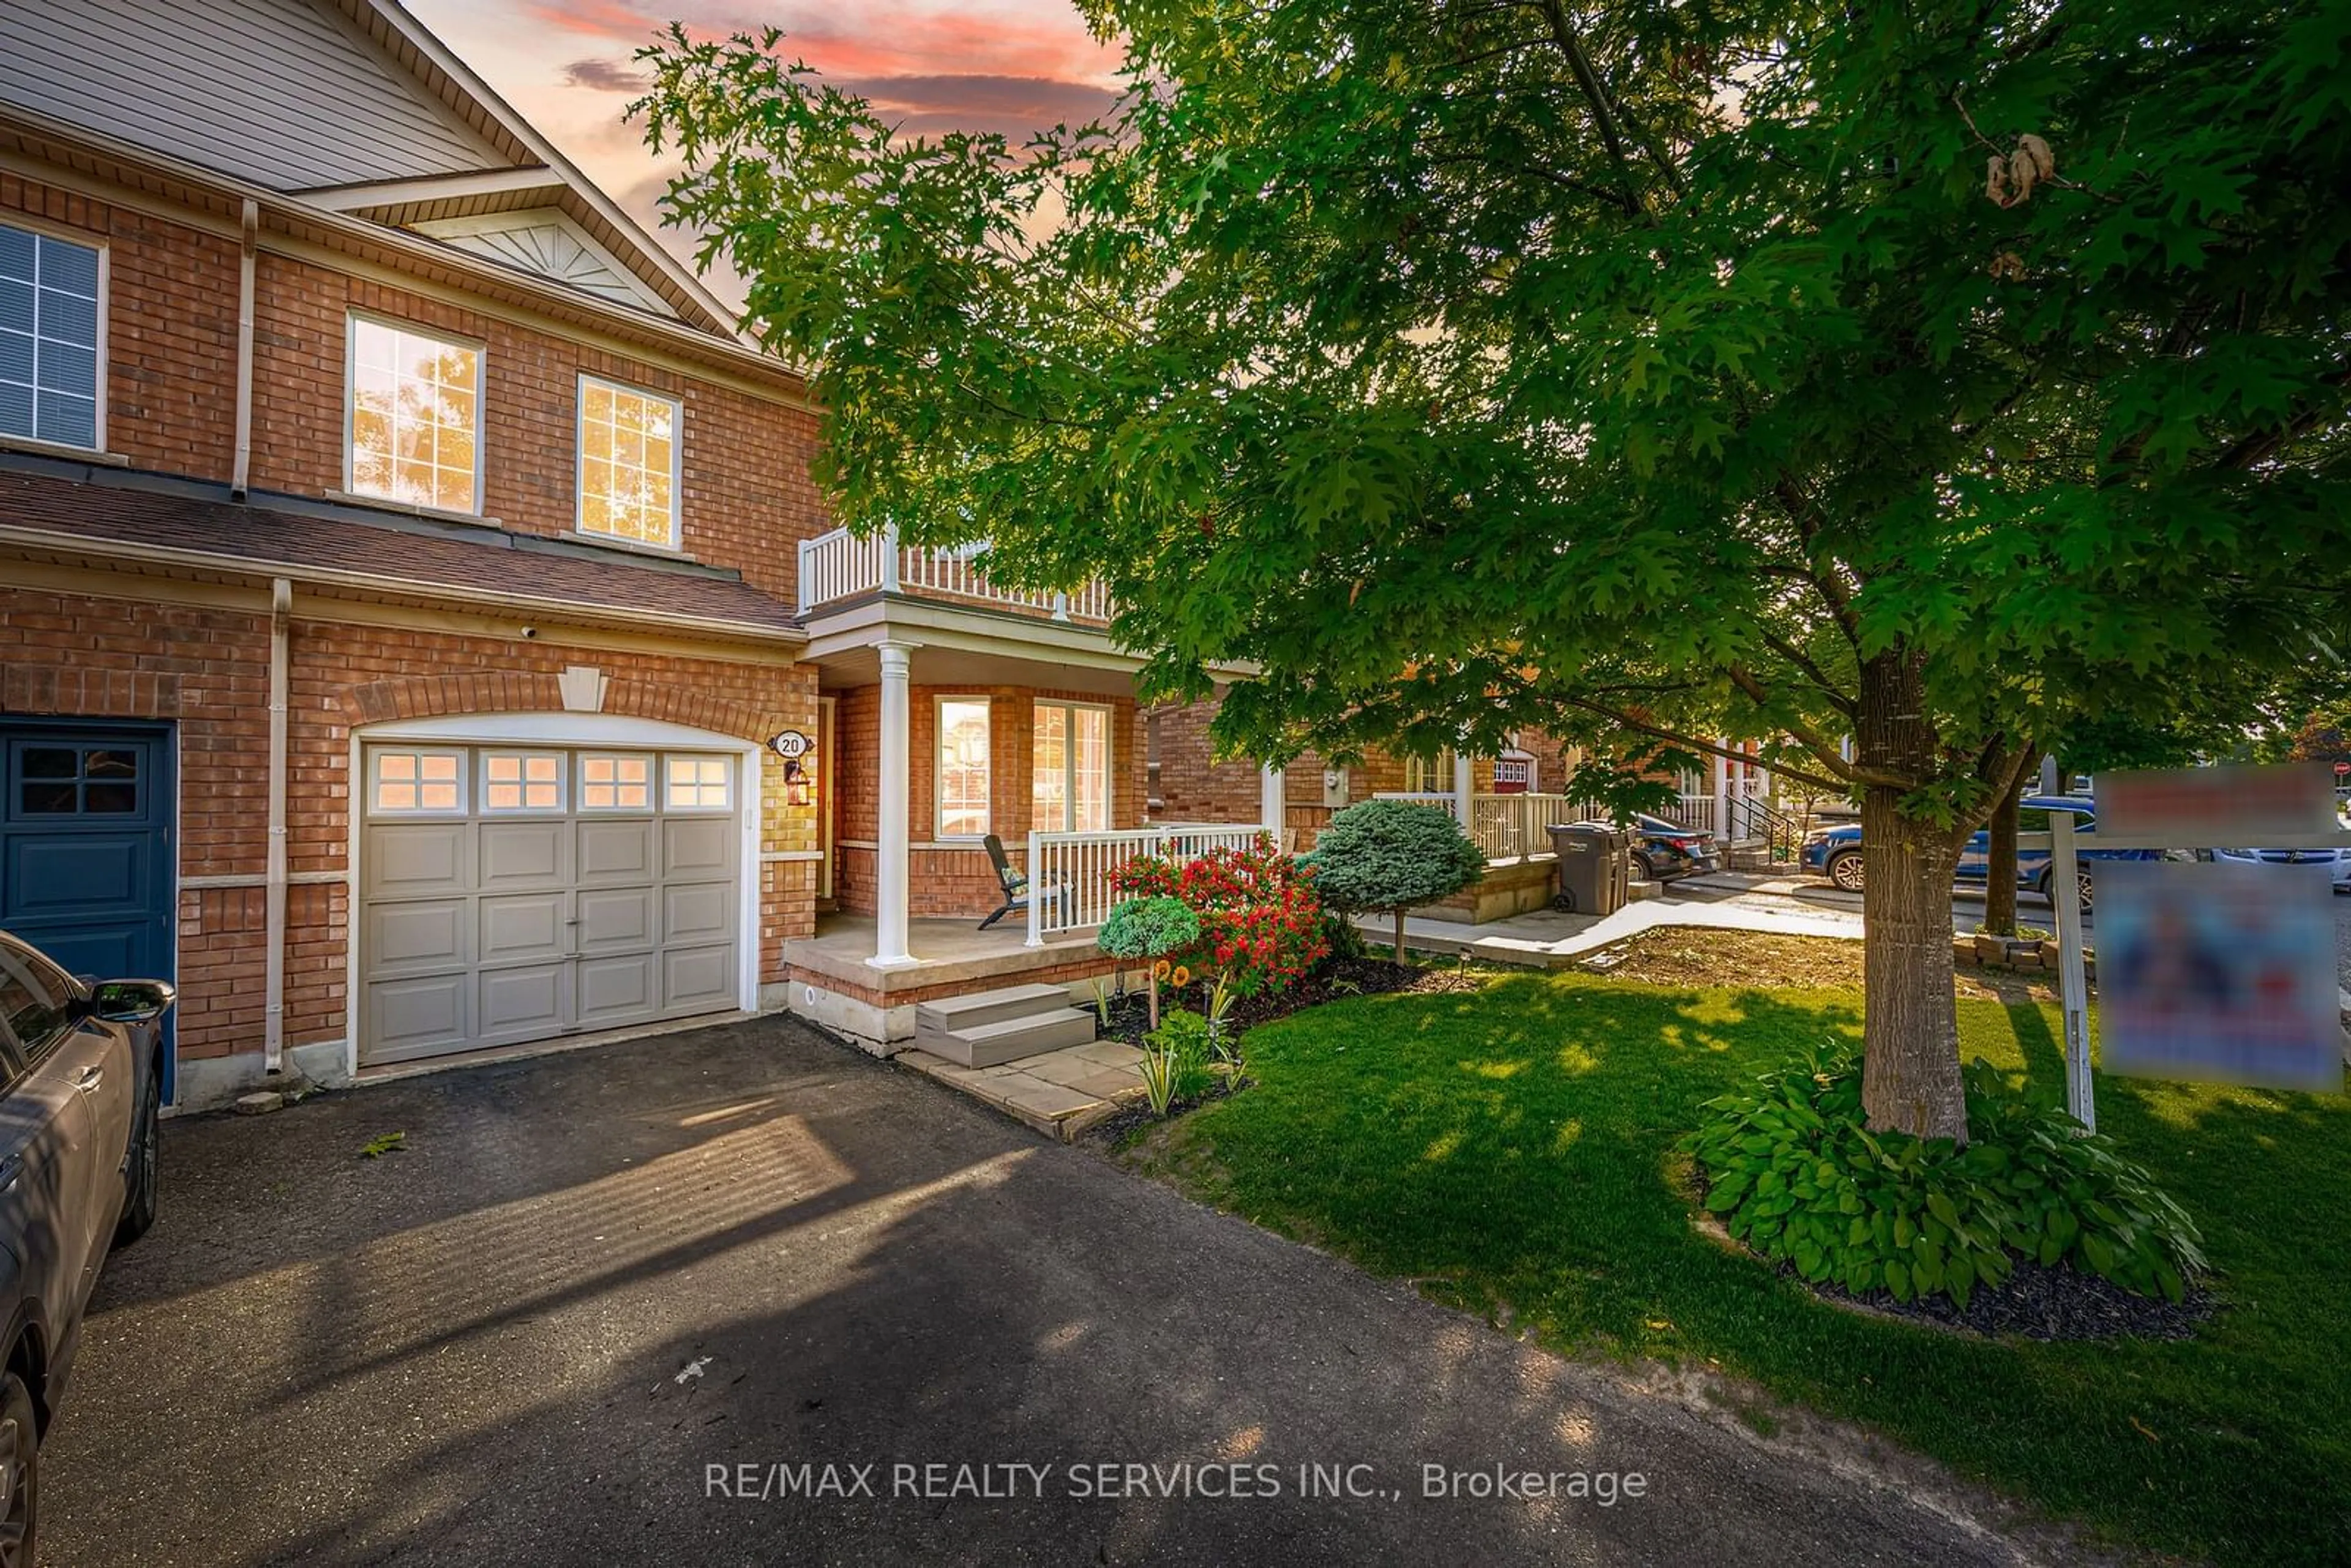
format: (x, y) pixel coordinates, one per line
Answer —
(351, 105)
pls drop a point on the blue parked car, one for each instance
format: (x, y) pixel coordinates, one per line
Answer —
(1835, 854)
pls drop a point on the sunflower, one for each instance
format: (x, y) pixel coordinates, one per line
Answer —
(1183, 977)
(1159, 970)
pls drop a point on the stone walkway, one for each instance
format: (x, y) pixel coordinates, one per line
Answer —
(1060, 1094)
(1730, 901)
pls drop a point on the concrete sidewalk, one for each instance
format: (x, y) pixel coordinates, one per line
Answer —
(1728, 901)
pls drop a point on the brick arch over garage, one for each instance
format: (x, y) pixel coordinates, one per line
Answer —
(505, 691)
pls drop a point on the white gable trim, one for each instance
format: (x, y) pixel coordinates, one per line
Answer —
(457, 231)
(462, 77)
(438, 188)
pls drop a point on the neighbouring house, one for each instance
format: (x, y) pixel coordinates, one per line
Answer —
(419, 632)
(1507, 800)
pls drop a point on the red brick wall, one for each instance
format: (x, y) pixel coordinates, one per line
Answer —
(745, 463)
(958, 880)
(172, 386)
(171, 372)
(209, 669)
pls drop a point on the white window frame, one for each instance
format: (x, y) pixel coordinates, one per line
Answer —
(482, 758)
(1420, 772)
(939, 773)
(728, 781)
(1069, 764)
(481, 351)
(652, 761)
(25, 223)
(464, 781)
(580, 464)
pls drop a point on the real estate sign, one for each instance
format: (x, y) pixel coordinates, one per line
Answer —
(2219, 972)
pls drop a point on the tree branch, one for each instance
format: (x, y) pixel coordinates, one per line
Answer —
(1811, 740)
(1711, 749)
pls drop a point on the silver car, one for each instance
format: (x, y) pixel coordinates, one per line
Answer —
(81, 1078)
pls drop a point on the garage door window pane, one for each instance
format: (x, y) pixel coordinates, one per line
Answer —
(522, 781)
(616, 783)
(695, 784)
(417, 781)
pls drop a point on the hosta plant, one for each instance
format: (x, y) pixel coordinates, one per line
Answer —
(1796, 1175)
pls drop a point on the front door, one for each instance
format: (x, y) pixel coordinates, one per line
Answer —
(86, 811)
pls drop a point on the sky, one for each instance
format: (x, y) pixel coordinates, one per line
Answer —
(1013, 66)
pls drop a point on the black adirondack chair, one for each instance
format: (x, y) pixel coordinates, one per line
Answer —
(1014, 883)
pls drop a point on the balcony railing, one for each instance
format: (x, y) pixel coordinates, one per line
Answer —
(842, 565)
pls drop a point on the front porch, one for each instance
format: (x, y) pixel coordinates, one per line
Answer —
(834, 981)
(1058, 1092)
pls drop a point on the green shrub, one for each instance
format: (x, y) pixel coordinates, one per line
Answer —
(1798, 1177)
(1181, 1044)
(1150, 929)
(1393, 854)
(1147, 929)
(1343, 936)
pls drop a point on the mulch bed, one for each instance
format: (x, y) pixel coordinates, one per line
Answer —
(2043, 1303)
(2036, 1303)
(1130, 1014)
(1704, 956)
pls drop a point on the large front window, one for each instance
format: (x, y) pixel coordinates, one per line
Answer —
(628, 465)
(415, 414)
(963, 767)
(1071, 757)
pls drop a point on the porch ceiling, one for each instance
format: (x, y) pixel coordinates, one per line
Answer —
(931, 666)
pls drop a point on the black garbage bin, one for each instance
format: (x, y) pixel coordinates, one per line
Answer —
(1595, 867)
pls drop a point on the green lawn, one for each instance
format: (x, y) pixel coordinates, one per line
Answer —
(1515, 1144)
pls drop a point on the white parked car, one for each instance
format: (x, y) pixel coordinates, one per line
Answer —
(2337, 862)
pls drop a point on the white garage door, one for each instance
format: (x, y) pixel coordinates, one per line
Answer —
(518, 893)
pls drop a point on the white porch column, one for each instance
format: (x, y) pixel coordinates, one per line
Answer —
(1270, 800)
(889, 882)
(1462, 777)
(1722, 798)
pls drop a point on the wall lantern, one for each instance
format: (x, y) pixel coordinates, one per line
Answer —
(799, 765)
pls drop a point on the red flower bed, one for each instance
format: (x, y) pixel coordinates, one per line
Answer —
(1261, 920)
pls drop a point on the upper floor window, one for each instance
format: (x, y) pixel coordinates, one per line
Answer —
(50, 337)
(415, 417)
(628, 464)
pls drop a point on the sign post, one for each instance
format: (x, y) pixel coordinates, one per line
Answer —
(2072, 976)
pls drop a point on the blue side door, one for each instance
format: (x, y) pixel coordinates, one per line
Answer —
(86, 813)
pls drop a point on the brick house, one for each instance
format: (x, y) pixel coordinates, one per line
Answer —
(419, 632)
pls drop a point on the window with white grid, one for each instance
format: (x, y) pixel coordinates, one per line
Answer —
(415, 417)
(522, 781)
(403, 782)
(628, 464)
(695, 783)
(50, 319)
(616, 783)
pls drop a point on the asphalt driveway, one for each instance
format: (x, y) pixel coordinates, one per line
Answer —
(602, 1294)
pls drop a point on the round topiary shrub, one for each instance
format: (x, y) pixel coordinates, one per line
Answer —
(1795, 1174)
(1148, 929)
(1393, 854)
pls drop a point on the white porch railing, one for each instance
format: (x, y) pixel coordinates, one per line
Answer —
(841, 565)
(1068, 874)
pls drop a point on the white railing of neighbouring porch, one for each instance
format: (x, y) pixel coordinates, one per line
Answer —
(1068, 874)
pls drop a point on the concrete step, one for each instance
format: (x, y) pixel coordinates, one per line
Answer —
(1010, 1039)
(987, 1006)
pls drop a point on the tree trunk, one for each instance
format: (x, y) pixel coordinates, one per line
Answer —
(1910, 1035)
(1399, 934)
(1999, 866)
